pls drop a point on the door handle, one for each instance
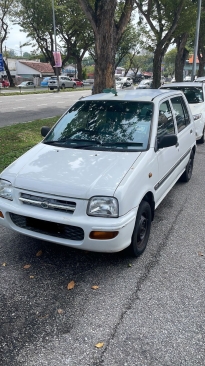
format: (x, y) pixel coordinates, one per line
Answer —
(177, 144)
(191, 131)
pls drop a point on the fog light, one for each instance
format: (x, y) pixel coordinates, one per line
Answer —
(103, 235)
(1, 215)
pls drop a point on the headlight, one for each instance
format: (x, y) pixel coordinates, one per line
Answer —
(197, 116)
(103, 206)
(6, 190)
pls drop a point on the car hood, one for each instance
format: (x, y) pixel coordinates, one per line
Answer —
(197, 108)
(70, 172)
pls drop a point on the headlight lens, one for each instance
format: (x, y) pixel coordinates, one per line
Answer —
(103, 206)
(6, 190)
(197, 116)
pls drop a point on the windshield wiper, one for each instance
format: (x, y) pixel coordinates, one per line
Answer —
(55, 142)
(122, 144)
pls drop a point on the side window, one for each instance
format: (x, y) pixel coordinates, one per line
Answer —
(181, 113)
(165, 120)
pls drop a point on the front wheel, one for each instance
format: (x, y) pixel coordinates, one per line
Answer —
(186, 176)
(74, 86)
(142, 228)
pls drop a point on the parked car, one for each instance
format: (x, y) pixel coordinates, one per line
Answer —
(187, 78)
(44, 82)
(26, 84)
(145, 84)
(195, 94)
(64, 82)
(4, 83)
(124, 79)
(123, 85)
(200, 78)
(78, 82)
(94, 181)
(88, 82)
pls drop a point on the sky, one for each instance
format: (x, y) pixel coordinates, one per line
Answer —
(15, 38)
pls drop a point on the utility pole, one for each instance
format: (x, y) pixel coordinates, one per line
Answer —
(55, 42)
(196, 41)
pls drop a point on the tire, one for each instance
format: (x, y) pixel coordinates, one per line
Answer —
(74, 86)
(141, 231)
(51, 88)
(82, 85)
(63, 86)
(202, 139)
(186, 176)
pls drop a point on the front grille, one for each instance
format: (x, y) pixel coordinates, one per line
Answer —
(48, 203)
(48, 228)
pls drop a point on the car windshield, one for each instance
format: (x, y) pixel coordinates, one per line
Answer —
(193, 94)
(114, 125)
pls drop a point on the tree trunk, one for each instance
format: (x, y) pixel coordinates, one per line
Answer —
(201, 57)
(8, 74)
(107, 33)
(105, 50)
(181, 56)
(157, 61)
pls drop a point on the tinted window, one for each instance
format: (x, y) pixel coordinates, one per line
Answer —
(165, 120)
(181, 113)
(193, 94)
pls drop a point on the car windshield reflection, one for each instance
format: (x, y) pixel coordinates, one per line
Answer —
(101, 125)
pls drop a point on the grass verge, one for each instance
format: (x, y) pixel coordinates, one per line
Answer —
(15, 140)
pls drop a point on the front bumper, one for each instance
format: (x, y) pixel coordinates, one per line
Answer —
(67, 229)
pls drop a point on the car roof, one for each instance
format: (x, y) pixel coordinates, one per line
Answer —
(133, 95)
(183, 84)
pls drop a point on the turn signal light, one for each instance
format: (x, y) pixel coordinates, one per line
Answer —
(1, 215)
(103, 235)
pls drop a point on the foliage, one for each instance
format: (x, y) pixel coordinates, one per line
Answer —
(169, 61)
(159, 20)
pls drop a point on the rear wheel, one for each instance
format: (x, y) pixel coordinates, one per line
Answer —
(186, 176)
(74, 86)
(142, 228)
(63, 86)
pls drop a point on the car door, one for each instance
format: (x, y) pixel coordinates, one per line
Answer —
(68, 82)
(168, 157)
(185, 130)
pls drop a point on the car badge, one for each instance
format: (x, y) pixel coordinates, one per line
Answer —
(44, 204)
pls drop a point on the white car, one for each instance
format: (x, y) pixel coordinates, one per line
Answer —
(64, 82)
(95, 180)
(195, 94)
(124, 79)
(145, 84)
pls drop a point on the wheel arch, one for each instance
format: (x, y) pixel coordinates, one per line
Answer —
(149, 197)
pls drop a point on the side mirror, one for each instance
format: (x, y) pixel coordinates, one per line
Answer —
(45, 130)
(167, 141)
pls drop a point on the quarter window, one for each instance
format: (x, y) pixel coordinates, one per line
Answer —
(181, 113)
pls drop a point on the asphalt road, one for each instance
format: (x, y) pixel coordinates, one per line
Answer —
(29, 107)
(145, 312)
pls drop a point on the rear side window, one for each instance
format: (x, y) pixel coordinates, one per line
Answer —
(165, 120)
(181, 113)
